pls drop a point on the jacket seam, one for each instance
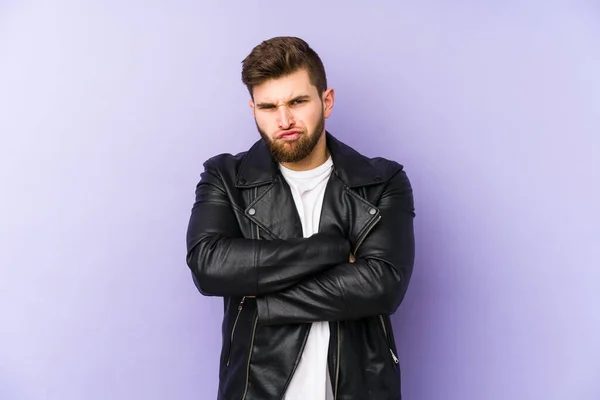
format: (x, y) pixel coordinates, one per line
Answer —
(369, 204)
(263, 194)
(264, 228)
(259, 245)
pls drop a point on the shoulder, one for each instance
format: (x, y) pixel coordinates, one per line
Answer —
(385, 166)
(385, 169)
(393, 175)
(233, 163)
(221, 169)
(224, 162)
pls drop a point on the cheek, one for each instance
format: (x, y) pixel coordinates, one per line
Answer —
(309, 117)
(264, 122)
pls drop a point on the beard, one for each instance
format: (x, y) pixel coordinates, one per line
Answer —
(297, 150)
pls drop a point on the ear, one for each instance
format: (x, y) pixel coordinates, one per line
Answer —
(328, 100)
(251, 103)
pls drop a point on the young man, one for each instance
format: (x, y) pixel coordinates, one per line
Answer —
(309, 243)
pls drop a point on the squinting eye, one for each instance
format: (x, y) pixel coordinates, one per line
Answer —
(299, 101)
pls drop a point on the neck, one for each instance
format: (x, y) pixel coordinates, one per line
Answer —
(317, 157)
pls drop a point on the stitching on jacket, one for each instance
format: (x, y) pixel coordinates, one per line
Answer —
(259, 245)
(256, 199)
(249, 200)
(264, 228)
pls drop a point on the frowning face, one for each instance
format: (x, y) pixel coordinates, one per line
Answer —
(290, 115)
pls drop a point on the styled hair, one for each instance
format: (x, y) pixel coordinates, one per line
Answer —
(280, 56)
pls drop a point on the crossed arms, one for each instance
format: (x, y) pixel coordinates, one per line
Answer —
(303, 279)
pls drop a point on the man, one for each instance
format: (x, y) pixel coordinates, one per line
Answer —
(309, 243)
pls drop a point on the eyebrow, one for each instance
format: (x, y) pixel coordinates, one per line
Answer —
(266, 104)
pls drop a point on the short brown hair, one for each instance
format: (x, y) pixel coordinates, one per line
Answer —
(280, 56)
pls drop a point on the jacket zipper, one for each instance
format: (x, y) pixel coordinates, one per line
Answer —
(387, 339)
(240, 306)
(337, 368)
(249, 357)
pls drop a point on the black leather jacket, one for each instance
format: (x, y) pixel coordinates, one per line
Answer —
(245, 243)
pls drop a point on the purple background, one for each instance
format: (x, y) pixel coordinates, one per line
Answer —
(108, 109)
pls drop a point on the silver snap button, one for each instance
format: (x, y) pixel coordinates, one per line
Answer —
(252, 211)
(372, 211)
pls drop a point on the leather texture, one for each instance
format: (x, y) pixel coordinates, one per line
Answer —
(245, 244)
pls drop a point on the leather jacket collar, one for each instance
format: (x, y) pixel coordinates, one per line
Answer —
(258, 166)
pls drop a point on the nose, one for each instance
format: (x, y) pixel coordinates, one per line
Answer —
(286, 118)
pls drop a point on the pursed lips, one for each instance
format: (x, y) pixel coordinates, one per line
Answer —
(289, 134)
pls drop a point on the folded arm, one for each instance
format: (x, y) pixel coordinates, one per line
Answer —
(224, 263)
(373, 284)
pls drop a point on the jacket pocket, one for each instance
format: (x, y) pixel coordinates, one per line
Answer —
(232, 336)
(387, 341)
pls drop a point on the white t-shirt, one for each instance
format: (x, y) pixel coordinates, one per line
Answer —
(311, 381)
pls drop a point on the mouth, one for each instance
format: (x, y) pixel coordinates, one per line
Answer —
(289, 135)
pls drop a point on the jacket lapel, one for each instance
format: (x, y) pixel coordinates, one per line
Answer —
(274, 211)
(345, 212)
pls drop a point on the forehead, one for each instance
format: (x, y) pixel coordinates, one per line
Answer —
(284, 88)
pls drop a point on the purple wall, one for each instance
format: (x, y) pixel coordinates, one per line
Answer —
(107, 111)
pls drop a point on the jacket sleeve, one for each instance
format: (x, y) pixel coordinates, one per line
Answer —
(374, 284)
(224, 263)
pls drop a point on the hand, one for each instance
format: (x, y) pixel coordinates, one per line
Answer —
(352, 259)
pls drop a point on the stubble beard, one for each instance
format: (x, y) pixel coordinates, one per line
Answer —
(297, 150)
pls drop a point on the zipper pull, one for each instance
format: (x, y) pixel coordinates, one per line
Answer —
(241, 303)
(394, 356)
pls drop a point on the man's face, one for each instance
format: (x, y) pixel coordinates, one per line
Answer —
(290, 115)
